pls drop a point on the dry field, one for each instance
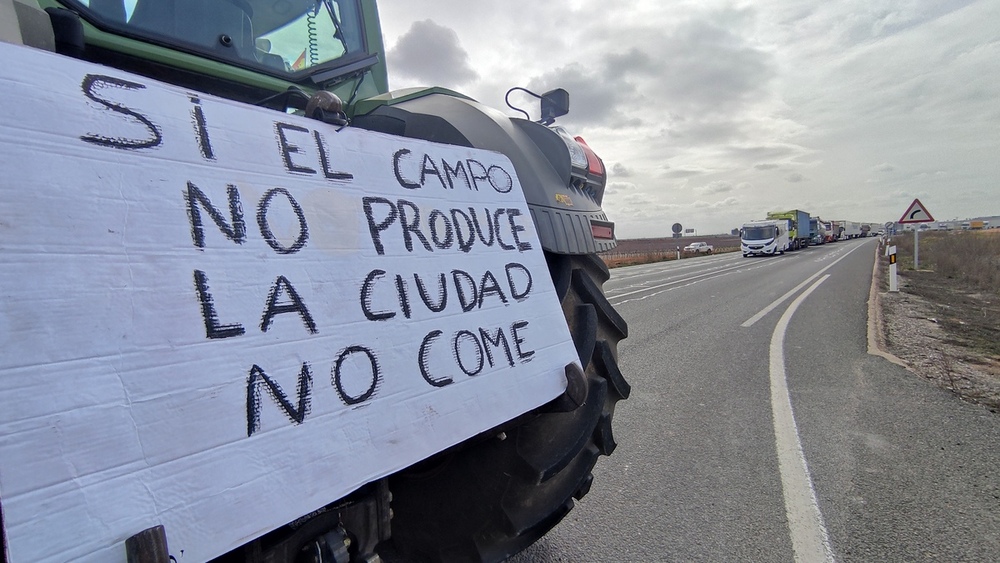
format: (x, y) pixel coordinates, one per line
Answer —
(645, 250)
(944, 322)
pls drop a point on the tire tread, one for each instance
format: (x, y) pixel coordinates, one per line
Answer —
(488, 500)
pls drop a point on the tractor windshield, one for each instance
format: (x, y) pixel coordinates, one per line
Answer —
(288, 38)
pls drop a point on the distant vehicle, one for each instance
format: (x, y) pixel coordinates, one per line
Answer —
(831, 232)
(764, 237)
(977, 224)
(817, 232)
(798, 227)
(699, 247)
(838, 230)
(852, 229)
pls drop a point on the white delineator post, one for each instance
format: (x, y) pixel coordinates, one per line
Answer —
(893, 283)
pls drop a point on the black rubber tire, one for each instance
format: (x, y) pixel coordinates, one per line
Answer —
(487, 501)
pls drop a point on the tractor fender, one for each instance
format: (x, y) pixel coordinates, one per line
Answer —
(563, 213)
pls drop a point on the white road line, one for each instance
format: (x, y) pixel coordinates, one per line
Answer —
(700, 276)
(667, 284)
(780, 300)
(653, 292)
(810, 542)
(669, 265)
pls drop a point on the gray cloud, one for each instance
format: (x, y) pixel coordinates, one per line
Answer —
(709, 205)
(870, 21)
(795, 177)
(431, 53)
(708, 68)
(619, 170)
(775, 151)
(618, 188)
(701, 68)
(681, 172)
(593, 100)
(707, 131)
(716, 187)
(697, 72)
(765, 166)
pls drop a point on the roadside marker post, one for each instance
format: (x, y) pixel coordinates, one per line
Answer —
(893, 282)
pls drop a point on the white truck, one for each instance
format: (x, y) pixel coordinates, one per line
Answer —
(852, 229)
(767, 237)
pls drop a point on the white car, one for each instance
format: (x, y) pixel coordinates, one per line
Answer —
(699, 247)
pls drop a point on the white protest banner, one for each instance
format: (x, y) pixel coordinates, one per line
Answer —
(219, 318)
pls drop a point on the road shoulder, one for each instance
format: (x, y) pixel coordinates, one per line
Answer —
(907, 328)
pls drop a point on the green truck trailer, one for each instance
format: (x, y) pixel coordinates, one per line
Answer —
(798, 227)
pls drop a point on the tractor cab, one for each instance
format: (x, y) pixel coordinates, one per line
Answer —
(284, 38)
(266, 45)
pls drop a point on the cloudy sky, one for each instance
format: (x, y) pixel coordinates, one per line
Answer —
(710, 113)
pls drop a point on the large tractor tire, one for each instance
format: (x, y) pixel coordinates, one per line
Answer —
(489, 500)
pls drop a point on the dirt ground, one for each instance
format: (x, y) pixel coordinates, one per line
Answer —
(943, 332)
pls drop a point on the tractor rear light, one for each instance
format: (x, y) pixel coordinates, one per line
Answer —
(594, 164)
(577, 154)
(602, 229)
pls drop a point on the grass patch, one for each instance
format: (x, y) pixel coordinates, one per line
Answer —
(971, 259)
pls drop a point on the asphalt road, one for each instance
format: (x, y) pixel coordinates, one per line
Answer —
(761, 429)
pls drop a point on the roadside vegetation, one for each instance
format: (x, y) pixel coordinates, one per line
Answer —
(945, 319)
(970, 258)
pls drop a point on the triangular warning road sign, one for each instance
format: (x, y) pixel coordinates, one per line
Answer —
(916, 213)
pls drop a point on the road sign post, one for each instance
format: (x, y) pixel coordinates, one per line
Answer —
(916, 213)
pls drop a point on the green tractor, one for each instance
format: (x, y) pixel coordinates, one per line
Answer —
(490, 496)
